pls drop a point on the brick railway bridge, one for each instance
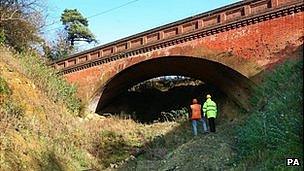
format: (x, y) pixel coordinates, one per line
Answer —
(226, 47)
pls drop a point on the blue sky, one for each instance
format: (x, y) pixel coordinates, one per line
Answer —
(138, 16)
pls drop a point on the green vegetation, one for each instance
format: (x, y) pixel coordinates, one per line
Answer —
(274, 130)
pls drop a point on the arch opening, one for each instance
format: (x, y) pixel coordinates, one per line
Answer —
(226, 83)
(165, 98)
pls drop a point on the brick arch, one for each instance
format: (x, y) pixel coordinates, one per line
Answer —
(234, 84)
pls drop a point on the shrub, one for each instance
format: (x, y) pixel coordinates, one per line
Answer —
(275, 128)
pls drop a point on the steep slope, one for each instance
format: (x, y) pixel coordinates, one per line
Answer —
(34, 122)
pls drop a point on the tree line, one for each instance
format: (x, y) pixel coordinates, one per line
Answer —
(22, 23)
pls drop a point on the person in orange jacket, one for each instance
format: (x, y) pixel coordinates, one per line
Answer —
(196, 116)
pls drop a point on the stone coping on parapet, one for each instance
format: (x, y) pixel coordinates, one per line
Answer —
(219, 26)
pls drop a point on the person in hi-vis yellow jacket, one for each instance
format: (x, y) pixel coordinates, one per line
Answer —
(210, 110)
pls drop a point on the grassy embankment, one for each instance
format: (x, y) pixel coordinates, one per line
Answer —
(41, 127)
(274, 129)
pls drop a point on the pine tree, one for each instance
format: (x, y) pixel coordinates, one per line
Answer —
(76, 27)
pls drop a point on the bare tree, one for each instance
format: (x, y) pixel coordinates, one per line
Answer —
(25, 10)
(60, 47)
(21, 22)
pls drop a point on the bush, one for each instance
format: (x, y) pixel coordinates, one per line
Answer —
(275, 128)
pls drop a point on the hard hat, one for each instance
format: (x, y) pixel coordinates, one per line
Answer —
(194, 101)
(208, 96)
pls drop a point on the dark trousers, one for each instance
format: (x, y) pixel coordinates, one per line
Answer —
(211, 124)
